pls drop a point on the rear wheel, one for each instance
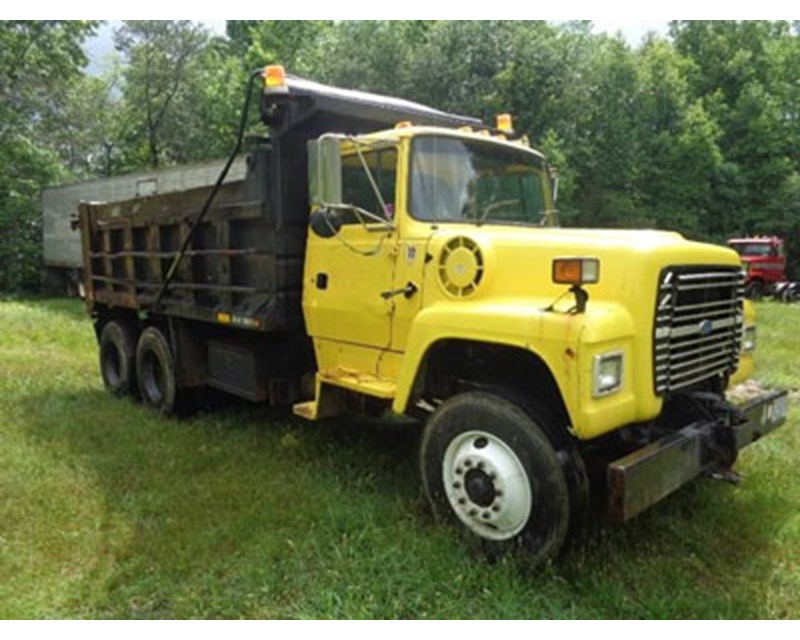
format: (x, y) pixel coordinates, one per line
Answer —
(117, 358)
(488, 466)
(155, 371)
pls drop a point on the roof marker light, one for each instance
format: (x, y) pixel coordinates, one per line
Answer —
(504, 122)
(274, 78)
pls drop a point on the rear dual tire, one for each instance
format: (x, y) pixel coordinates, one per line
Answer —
(143, 367)
(117, 358)
(155, 372)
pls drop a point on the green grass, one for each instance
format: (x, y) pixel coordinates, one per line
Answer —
(107, 511)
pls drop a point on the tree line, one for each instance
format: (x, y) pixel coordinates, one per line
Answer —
(698, 131)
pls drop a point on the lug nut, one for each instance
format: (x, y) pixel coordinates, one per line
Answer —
(486, 515)
(459, 471)
(468, 463)
(480, 465)
(456, 485)
(473, 512)
(462, 501)
(495, 507)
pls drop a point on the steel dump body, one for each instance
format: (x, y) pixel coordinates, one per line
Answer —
(244, 261)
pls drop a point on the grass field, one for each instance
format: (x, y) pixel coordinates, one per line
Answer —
(107, 511)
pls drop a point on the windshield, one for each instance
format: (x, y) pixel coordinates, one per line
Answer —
(761, 249)
(456, 180)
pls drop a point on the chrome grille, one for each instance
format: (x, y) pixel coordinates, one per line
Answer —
(699, 324)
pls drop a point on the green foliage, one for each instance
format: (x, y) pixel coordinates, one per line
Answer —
(296, 44)
(741, 72)
(204, 115)
(161, 55)
(26, 169)
(698, 132)
(38, 63)
(87, 131)
(37, 59)
(456, 65)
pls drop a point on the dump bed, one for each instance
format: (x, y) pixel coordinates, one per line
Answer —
(244, 266)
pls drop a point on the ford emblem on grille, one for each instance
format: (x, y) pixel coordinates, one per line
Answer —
(698, 327)
(706, 327)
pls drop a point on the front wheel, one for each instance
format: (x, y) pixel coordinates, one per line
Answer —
(488, 465)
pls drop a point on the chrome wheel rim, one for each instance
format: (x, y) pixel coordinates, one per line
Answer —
(486, 485)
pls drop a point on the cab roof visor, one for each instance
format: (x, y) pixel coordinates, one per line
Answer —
(313, 106)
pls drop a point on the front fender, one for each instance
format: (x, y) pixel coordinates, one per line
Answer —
(566, 343)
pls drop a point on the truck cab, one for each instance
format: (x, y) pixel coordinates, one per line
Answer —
(764, 262)
(382, 254)
(445, 241)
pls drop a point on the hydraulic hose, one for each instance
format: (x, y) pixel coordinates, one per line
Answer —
(173, 268)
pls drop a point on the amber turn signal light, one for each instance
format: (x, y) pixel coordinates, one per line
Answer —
(576, 270)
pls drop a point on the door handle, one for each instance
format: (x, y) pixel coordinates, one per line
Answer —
(409, 290)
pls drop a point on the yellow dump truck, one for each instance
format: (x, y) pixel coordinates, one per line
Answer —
(380, 254)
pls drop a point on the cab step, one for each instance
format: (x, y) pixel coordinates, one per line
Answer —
(360, 382)
(329, 400)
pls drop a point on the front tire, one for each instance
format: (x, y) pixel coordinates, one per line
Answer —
(488, 465)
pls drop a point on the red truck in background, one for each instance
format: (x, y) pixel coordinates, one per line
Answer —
(764, 260)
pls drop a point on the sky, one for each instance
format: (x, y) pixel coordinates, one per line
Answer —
(100, 47)
(632, 30)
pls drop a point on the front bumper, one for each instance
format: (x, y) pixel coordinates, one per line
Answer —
(642, 478)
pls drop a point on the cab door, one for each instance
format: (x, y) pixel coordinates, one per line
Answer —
(346, 274)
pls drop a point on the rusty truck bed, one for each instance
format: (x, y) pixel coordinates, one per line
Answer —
(243, 267)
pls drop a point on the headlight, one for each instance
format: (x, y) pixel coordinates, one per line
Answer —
(607, 373)
(749, 339)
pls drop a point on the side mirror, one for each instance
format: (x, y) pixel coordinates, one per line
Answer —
(325, 223)
(325, 171)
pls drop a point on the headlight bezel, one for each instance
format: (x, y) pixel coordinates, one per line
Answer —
(601, 389)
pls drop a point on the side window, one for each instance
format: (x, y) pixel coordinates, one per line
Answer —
(356, 187)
